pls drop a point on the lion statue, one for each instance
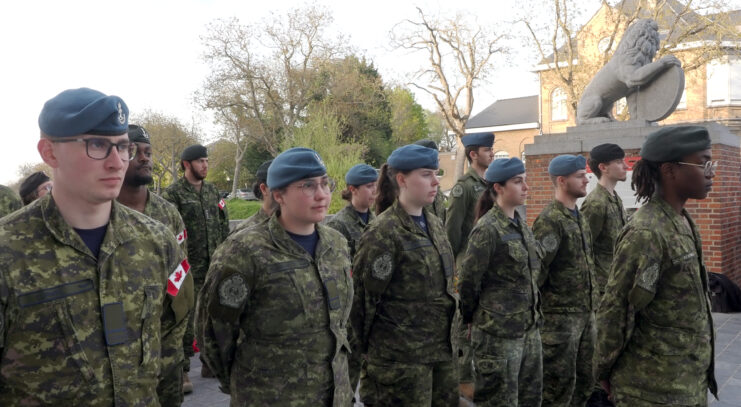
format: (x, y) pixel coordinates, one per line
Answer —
(629, 68)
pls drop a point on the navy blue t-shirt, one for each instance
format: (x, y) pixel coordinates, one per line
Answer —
(93, 238)
(308, 242)
(364, 215)
(421, 221)
(574, 212)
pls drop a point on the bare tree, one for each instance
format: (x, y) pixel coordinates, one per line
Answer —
(460, 52)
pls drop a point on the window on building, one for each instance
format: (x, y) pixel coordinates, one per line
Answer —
(559, 109)
(501, 154)
(683, 100)
(724, 81)
(621, 106)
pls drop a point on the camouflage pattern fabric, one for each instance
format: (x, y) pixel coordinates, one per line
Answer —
(569, 296)
(509, 371)
(170, 388)
(79, 330)
(348, 222)
(9, 201)
(207, 226)
(606, 217)
(655, 331)
(438, 205)
(392, 384)
(257, 218)
(405, 301)
(274, 319)
(499, 296)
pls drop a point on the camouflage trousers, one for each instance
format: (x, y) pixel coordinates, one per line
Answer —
(387, 383)
(170, 389)
(622, 400)
(465, 351)
(355, 362)
(568, 347)
(509, 371)
(189, 336)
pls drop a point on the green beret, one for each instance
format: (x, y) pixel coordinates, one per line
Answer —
(566, 164)
(194, 152)
(671, 143)
(413, 156)
(84, 111)
(503, 169)
(137, 134)
(295, 164)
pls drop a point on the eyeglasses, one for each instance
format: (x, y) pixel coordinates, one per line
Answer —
(708, 168)
(309, 188)
(100, 148)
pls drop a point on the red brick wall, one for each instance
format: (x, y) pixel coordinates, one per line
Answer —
(718, 216)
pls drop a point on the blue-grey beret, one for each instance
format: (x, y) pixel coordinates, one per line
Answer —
(566, 164)
(478, 139)
(137, 134)
(194, 152)
(361, 174)
(503, 169)
(413, 156)
(84, 111)
(671, 143)
(295, 164)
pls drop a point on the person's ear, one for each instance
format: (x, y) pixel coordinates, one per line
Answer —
(401, 180)
(278, 197)
(47, 153)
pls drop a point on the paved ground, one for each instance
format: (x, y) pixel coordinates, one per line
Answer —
(727, 370)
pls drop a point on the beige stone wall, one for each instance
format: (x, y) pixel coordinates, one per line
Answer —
(513, 142)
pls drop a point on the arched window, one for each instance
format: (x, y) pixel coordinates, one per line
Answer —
(559, 110)
(501, 154)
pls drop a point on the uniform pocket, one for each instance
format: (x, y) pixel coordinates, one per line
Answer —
(72, 342)
(151, 328)
(492, 378)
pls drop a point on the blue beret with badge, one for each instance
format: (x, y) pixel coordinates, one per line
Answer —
(672, 143)
(361, 174)
(413, 156)
(478, 139)
(295, 164)
(503, 169)
(84, 111)
(566, 164)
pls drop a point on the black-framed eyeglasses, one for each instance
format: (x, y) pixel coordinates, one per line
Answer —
(708, 168)
(100, 148)
(310, 187)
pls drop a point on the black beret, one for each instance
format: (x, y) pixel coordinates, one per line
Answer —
(426, 143)
(137, 134)
(671, 143)
(194, 152)
(604, 153)
(32, 182)
(262, 171)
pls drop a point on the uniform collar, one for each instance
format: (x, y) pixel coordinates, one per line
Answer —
(283, 241)
(561, 207)
(350, 210)
(676, 219)
(603, 191)
(475, 175)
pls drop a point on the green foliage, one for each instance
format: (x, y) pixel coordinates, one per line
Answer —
(241, 209)
(408, 121)
(221, 164)
(322, 133)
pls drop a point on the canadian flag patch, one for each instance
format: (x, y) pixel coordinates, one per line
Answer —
(182, 236)
(222, 204)
(177, 277)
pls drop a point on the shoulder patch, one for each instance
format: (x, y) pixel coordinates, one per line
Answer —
(233, 291)
(457, 191)
(550, 242)
(382, 267)
(648, 277)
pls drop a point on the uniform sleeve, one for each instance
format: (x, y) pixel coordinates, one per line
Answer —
(222, 301)
(548, 235)
(455, 215)
(631, 286)
(373, 268)
(225, 223)
(171, 197)
(594, 214)
(177, 306)
(180, 225)
(475, 263)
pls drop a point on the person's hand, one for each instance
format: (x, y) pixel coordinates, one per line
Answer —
(606, 386)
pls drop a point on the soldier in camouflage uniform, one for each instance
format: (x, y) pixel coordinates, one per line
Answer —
(87, 286)
(405, 300)
(568, 288)
(499, 294)
(277, 298)
(351, 221)
(207, 223)
(9, 201)
(262, 192)
(135, 195)
(34, 187)
(459, 222)
(656, 339)
(438, 206)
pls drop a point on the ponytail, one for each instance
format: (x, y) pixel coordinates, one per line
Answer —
(486, 201)
(346, 194)
(388, 190)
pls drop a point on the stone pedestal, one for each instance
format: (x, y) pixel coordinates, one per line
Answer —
(718, 216)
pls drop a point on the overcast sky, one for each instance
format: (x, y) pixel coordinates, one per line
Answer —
(149, 53)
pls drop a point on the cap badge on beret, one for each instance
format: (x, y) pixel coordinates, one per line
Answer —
(320, 159)
(121, 115)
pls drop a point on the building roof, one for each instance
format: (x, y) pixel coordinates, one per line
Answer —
(506, 112)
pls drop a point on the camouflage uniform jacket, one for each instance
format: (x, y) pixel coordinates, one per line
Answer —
(79, 330)
(567, 282)
(438, 205)
(258, 217)
(606, 218)
(460, 215)
(9, 201)
(275, 319)
(404, 294)
(349, 223)
(655, 331)
(206, 221)
(498, 278)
